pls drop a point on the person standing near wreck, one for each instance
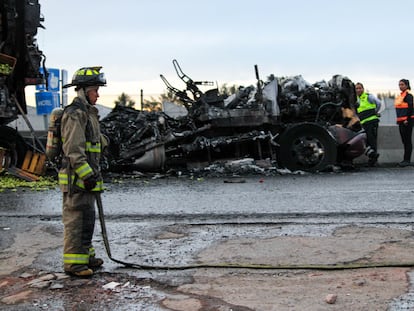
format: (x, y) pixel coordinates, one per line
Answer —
(404, 111)
(79, 176)
(368, 107)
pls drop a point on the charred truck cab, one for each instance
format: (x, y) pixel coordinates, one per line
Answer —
(20, 60)
(298, 125)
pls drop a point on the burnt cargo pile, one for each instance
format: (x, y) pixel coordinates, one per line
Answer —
(288, 121)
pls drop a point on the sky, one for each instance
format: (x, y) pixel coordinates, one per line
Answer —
(222, 40)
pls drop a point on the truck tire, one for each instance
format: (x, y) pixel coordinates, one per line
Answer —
(306, 146)
(15, 147)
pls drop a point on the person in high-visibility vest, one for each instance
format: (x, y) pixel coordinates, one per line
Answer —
(405, 115)
(368, 107)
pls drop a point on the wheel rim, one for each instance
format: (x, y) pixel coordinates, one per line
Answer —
(307, 147)
(308, 151)
(6, 158)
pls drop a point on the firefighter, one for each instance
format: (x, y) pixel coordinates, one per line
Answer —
(79, 177)
(368, 107)
(405, 115)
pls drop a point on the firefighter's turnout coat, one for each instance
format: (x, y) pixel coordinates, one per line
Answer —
(81, 147)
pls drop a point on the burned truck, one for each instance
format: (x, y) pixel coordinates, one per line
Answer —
(20, 60)
(297, 125)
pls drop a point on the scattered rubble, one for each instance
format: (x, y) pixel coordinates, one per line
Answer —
(331, 298)
(111, 285)
(17, 298)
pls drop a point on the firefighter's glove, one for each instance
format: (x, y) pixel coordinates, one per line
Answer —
(90, 182)
(104, 144)
(105, 141)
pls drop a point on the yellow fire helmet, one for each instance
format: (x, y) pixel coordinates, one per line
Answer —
(88, 76)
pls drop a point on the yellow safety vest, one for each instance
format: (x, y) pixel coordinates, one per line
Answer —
(366, 110)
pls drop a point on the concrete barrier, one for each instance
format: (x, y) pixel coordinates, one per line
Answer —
(390, 146)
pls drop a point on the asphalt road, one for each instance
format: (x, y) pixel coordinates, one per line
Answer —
(377, 191)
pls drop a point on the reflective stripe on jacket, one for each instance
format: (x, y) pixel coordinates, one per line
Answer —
(64, 182)
(366, 110)
(81, 146)
(404, 106)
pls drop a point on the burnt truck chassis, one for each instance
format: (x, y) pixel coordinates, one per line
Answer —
(297, 125)
(20, 61)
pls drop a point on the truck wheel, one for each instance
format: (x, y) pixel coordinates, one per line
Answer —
(307, 147)
(14, 146)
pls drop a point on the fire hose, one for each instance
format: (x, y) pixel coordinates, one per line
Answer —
(341, 266)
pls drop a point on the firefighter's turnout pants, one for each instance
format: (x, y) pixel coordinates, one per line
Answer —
(79, 222)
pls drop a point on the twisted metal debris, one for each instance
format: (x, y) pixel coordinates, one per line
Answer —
(288, 120)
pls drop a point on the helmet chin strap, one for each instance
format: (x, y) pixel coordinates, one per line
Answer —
(87, 97)
(82, 94)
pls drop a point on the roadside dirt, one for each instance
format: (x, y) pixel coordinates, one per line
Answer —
(257, 288)
(368, 289)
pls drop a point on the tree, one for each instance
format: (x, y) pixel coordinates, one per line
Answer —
(152, 104)
(228, 89)
(386, 95)
(169, 96)
(125, 101)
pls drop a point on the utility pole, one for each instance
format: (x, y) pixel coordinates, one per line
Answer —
(142, 99)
